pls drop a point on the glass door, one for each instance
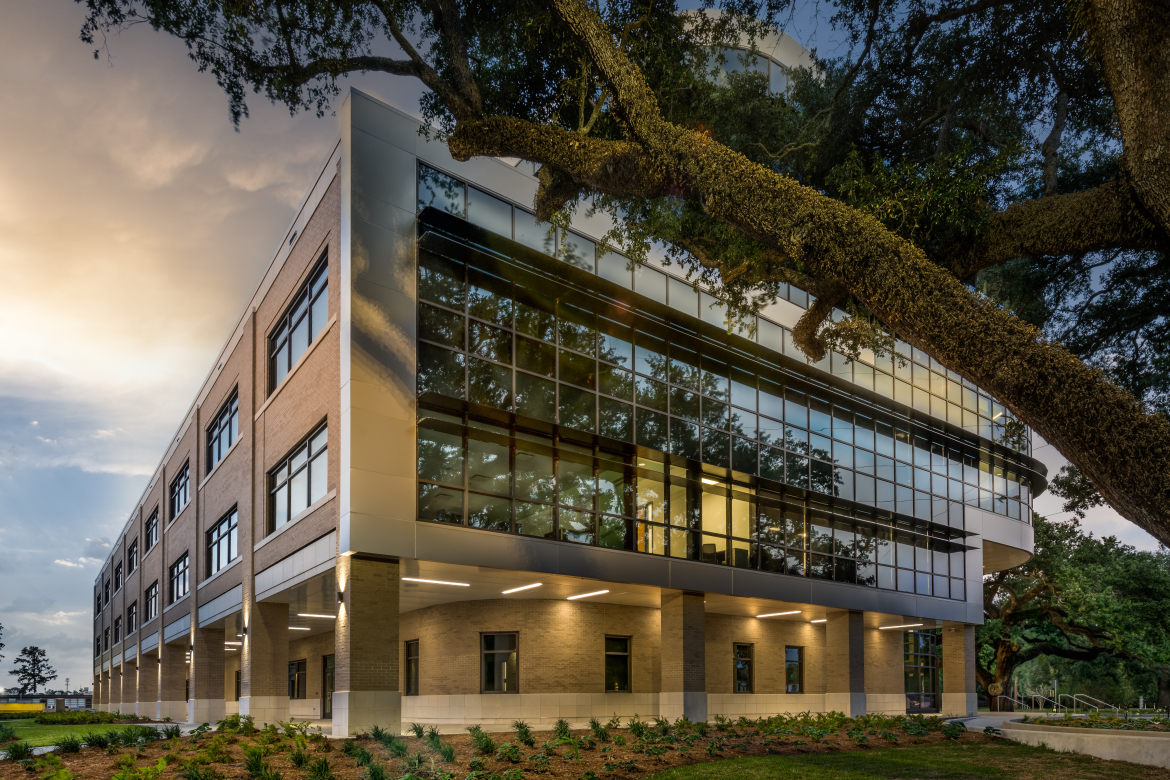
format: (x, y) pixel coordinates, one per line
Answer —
(327, 687)
(922, 662)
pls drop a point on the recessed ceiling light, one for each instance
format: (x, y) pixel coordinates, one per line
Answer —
(437, 582)
(706, 481)
(310, 614)
(908, 625)
(233, 643)
(523, 587)
(298, 628)
(778, 614)
(822, 620)
(587, 595)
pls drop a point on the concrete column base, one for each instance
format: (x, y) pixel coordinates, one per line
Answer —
(175, 710)
(205, 710)
(960, 704)
(852, 704)
(886, 703)
(356, 712)
(692, 704)
(265, 709)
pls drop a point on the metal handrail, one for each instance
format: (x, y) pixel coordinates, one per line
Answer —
(1014, 701)
(1074, 700)
(1042, 697)
(1107, 704)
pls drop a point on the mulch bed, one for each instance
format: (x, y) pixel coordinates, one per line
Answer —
(603, 760)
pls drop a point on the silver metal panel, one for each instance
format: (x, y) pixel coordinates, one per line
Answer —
(690, 575)
(383, 170)
(178, 628)
(613, 565)
(379, 120)
(150, 643)
(383, 257)
(483, 548)
(131, 653)
(308, 557)
(222, 606)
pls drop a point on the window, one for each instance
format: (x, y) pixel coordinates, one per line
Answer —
(500, 663)
(617, 663)
(151, 530)
(97, 646)
(117, 630)
(296, 679)
(180, 490)
(412, 668)
(224, 430)
(743, 668)
(794, 670)
(922, 650)
(132, 557)
(300, 481)
(179, 582)
(106, 640)
(237, 684)
(222, 544)
(132, 619)
(97, 601)
(300, 325)
(152, 601)
(107, 591)
(118, 577)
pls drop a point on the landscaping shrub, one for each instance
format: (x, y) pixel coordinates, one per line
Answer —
(81, 718)
(98, 739)
(562, 729)
(70, 743)
(7, 733)
(18, 751)
(321, 770)
(523, 733)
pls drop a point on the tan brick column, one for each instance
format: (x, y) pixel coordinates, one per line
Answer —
(116, 688)
(172, 681)
(264, 664)
(958, 670)
(147, 693)
(97, 692)
(885, 676)
(684, 664)
(845, 663)
(366, 672)
(207, 661)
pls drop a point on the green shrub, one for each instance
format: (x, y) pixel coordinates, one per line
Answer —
(484, 744)
(97, 739)
(299, 758)
(418, 730)
(7, 733)
(376, 771)
(447, 752)
(195, 771)
(321, 770)
(70, 743)
(599, 731)
(396, 747)
(172, 732)
(508, 752)
(432, 733)
(361, 756)
(18, 751)
(81, 718)
(254, 761)
(523, 733)
(562, 729)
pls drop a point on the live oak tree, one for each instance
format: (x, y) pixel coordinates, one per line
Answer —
(961, 179)
(32, 669)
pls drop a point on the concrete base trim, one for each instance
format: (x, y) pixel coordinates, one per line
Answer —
(852, 703)
(356, 712)
(755, 705)
(175, 710)
(691, 704)
(886, 703)
(265, 709)
(502, 709)
(960, 704)
(1138, 748)
(205, 710)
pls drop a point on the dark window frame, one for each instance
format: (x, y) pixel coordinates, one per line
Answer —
(117, 629)
(106, 640)
(799, 664)
(106, 591)
(151, 599)
(179, 577)
(151, 531)
(180, 491)
(483, 652)
(302, 308)
(298, 675)
(224, 532)
(226, 421)
(132, 557)
(117, 576)
(628, 655)
(411, 670)
(282, 476)
(132, 618)
(747, 662)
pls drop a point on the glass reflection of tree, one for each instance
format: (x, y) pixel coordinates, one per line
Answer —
(439, 184)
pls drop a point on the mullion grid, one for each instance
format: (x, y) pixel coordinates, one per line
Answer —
(669, 379)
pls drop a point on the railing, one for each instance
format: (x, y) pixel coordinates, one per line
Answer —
(1103, 703)
(1015, 702)
(1042, 698)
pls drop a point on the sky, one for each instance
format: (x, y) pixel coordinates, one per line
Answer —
(135, 222)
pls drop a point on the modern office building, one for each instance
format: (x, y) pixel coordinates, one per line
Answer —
(454, 466)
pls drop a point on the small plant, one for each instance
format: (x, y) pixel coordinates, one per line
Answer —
(361, 756)
(722, 723)
(523, 733)
(512, 774)
(953, 729)
(254, 761)
(18, 751)
(484, 744)
(508, 752)
(638, 727)
(299, 757)
(574, 746)
(70, 743)
(418, 730)
(447, 752)
(397, 748)
(662, 726)
(539, 762)
(377, 733)
(432, 733)
(195, 771)
(376, 771)
(615, 722)
(619, 740)
(599, 731)
(7, 733)
(561, 729)
(172, 732)
(97, 739)
(321, 770)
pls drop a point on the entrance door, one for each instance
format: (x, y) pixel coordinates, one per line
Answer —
(922, 679)
(327, 687)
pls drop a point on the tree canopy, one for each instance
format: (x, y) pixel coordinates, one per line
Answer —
(32, 669)
(987, 179)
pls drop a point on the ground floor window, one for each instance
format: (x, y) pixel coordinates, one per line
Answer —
(237, 684)
(411, 668)
(296, 679)
(501, 672)
(794, 670)
(328, 679)
(743, 668)
(617, 663)
(922, 661)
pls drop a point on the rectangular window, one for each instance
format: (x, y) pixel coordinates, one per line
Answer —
(222, 543)
(179, 581)
(296, 679)
(97, 601)
(223, 431)
(180, 490)
(301, 480)
(132, 557)
(299, 326)
(238, 684)
(743, 668)
(151, 531)
(118, 577)
(500, 663)
(107, 591)
(794, 670)
(412, 668)
(152, 601)
(132, 618)
(117, 630)
(97, 646)
(617, 663)
(106, 640)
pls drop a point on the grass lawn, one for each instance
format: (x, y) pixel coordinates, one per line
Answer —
(946, 761)
(38, 735)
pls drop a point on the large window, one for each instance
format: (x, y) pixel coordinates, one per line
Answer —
(132, 618)
(411, 668)
(571, 360)
(132, 557)
(922, 650)
(151, 531)
(300, 480)
(224, 430)
(742, 660)
(118, 577)
(794, 670)
(106, 640)
(500, 663)
(617, 664)
(117, 630)
(222, 543)
(179, 579)
(97, 646)
(297, 678)
(107, 592)
(151, 600)
(306, 316)
(180, 490)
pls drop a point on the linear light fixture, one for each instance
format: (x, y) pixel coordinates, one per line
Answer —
(822, 620)
(706, 481)
(523, 587)
(993, 419)
(778, 614)
(436, 582)
(233, 643)
(298, 628)
(587, 595)
(908, 625)
(310, 614)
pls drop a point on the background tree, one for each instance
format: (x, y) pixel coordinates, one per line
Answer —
(1, 643)
(32, 669)
(974, 174)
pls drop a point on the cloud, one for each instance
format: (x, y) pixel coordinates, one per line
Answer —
(97, 548)
(70, 564)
